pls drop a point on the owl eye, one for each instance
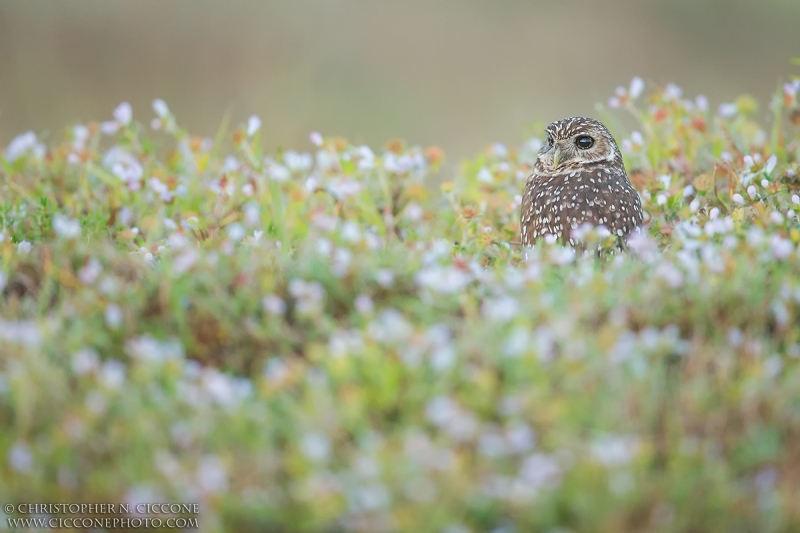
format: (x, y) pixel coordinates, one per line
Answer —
(584, 142)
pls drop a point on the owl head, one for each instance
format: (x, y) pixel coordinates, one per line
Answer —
(576, 141)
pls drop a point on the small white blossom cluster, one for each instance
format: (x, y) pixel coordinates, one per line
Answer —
(25, 144)
(624, 96)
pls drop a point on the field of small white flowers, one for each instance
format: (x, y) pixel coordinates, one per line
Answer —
(325, 341)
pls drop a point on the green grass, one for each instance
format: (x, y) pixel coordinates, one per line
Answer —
(321, 343)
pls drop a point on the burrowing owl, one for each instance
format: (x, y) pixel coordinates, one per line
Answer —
(579, 177)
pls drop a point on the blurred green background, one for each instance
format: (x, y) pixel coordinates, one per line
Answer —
(459, 74)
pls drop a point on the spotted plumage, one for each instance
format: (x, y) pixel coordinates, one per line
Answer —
(579, 177)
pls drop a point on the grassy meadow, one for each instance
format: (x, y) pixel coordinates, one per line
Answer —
(320, 340)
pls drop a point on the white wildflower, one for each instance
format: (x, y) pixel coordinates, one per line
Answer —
(90, 271)
(485, 176)
(184, 260)
(84, 361)
(351, 231)
(643, 246)
(324, 246)
(773, 366)
(345, 342)
(534, 144)
(540, 470)
(414, 212)
(755, 236)
(142, 493)
(636, 88)
(316, 138)
(160, 108)
(727, 110)
(562, 255)
(309, 295)
(124, 165)
(343, 188)
(326, 223)
(672, 92)
(220, 387)
(276, 370)
(781, 247)
(315, 446)
(521, 438)
(236, 232)
(369, 497)
(252, 214)
(502, 309)
(712, 258)
(66, 227)
(279, 172)
(442, 357)
(770, 166)
(211, 475)
(149, 349)
(123, 114)
(327, 160)
(24, 144)
(20, 457)
(112, 373)
(517, 343)
(397, 164)
(273, 305)
(384, 278)
(109, 127)
(500, 150)
(390, 327)
(160, 188)
(440, 410)
(298, 162)
(342, 258)
(735, 337)
(23, 247)
(253, 125)
(614, 450)
(447, 280)
(113, 315)
(374, 241)
(781, 313)
(492, 444)
(366, 158)
(363, 304)
(248, 189)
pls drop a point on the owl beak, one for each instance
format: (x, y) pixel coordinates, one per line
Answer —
(558, 157)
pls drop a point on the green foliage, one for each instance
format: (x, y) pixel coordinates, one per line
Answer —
(318, 342)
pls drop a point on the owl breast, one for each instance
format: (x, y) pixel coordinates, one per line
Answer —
(555, 203)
